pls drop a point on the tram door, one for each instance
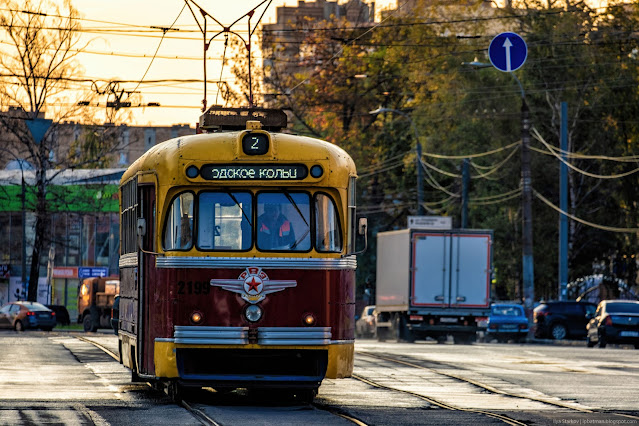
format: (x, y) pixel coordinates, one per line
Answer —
(147, 268)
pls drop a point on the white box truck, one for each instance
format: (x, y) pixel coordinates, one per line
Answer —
(433, 284)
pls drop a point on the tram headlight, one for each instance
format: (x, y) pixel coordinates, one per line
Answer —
(309, 319)
(253, 313)
(196, 317)
(192, 172)
(317, 171)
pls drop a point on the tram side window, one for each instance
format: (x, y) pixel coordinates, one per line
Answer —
(327, 231)
(284, 221)
(224, 221)
(178, 232)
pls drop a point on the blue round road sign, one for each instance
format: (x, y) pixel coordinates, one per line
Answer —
(507, 52)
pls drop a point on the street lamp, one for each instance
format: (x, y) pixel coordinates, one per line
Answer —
(418, 147)
(526, 181)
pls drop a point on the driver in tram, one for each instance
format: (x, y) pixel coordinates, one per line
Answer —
(274, 229)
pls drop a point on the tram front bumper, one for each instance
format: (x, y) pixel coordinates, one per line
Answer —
(286, 356)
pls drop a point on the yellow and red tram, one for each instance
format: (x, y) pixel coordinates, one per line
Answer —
(238, 258)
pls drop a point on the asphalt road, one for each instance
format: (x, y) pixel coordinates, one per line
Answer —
(56, 378)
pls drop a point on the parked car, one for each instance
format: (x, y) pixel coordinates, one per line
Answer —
(507, 321)
(115, 314)
(61, 314)
(365, 325)
(562, 320)
(23, 315)
(615, 321)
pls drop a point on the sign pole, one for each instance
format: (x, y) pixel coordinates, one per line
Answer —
(507, 53)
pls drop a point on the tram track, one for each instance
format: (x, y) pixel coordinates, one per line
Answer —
(202, 417)
(483, 386)
(101, 347)
(407, 361)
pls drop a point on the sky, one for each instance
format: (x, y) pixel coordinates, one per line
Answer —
(112, 55)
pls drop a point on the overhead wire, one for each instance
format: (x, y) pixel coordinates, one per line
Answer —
(375, 166)
(382, 170)
(434, 183)
(495, 168)
(540, 138)
(495, 199)
(164, 31)
(476, 155)
(582, 221)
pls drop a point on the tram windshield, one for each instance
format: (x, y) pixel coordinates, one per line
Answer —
(224, 221)
(235, 221)
(283, 221)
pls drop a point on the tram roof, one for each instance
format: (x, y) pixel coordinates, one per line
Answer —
(168, 159)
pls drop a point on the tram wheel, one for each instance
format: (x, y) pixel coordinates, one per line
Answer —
(175, 391)
(305, 396)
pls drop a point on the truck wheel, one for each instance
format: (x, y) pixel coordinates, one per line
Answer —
(88, 325)
(400, 332)
(463, 339)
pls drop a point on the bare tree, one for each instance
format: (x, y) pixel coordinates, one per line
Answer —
(39, 73)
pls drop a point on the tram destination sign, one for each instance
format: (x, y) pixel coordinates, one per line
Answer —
(254, 172)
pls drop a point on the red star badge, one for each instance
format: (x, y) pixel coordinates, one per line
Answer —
(253, 284)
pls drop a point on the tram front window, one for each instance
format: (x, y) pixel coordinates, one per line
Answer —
(224, 221)
(178, 233)
(283, 222)
(327, 233)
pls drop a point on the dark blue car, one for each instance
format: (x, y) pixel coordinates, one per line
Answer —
(507, 321)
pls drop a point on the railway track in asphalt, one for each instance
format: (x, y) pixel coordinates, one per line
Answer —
(408, 376)
(479, 386)
(199, 411)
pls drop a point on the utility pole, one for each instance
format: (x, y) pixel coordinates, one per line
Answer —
(527, 226)
(563, 205)
(465, 183)
(420, 179)
(24, 234)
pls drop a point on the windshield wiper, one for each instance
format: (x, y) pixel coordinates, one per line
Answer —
(290, 199)
(230, 194)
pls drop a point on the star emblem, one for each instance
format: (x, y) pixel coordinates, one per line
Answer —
(253, 284)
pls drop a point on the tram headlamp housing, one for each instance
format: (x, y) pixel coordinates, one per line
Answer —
(253, 313)
(317, 171)
(196, 317)
(309, 319)
(192, 172)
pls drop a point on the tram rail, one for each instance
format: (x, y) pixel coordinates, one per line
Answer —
(483, 386)
(201, 416)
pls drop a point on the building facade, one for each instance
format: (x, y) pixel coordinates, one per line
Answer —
(82, 237)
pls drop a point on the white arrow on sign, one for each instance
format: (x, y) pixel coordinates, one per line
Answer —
(507, 46)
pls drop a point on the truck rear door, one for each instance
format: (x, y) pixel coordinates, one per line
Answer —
(451, 269)
(470, 278)
(430, 284)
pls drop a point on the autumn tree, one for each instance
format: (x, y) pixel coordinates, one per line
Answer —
(39, 75)
(419, 62)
